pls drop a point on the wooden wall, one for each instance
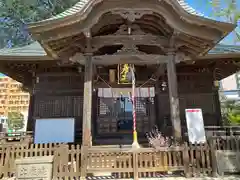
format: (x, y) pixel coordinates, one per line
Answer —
(61, 95)
(195, 91)
(58, 95)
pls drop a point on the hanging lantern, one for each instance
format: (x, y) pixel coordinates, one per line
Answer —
(112, 75)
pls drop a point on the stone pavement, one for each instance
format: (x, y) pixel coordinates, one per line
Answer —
(159, 178)
(182, 178)
(172, 178)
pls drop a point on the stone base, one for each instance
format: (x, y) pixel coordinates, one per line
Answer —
(34, 168)
(102, 174)
(135, 145)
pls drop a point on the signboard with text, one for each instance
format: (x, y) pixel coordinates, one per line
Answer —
(195, 126)
(124, 74)
(227, 161)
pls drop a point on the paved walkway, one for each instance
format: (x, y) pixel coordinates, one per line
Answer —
(160, 178)
(182, 178)
(173, 178)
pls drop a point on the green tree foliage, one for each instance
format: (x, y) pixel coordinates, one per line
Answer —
(15, 14)
(230, 111)
(228, 10)
(15, 120)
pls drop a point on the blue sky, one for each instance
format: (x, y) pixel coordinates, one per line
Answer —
(199, 6)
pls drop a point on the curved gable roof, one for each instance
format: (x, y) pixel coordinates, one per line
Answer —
(83, 6)
(82, 3)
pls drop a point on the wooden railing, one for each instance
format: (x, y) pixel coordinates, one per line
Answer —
(122, 163)
(67, 162)
(217, 131)
(199, 160)
(11, 138)
(72, 161)
(227, 143)
(8, 155)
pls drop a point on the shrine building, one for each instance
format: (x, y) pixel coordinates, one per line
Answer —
(78, 67)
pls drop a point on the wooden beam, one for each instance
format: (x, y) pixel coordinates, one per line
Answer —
(130, 59)
(122, 59)
(100, 41)
(49, 51)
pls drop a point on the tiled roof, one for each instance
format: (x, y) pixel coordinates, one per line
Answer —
(80, 5)
(35, 49)
(221, 49)
(190, 9)
(73, 10)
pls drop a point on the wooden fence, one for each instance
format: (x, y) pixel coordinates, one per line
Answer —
(227, 143)
(217, 131)
(72, 161)
(122, 163)
(8, 155)
(13, 137)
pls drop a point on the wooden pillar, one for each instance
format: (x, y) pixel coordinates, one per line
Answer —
(30, 122)
(87, 103)
(87, 99)
(173, 95)
(217, 102)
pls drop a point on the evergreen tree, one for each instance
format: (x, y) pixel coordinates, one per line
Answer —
(15, 120)
(16, 14)
(230, 111)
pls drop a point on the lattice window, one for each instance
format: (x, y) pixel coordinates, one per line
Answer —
(141, 106)
(105, 106)
(58, 106)
(112, 111)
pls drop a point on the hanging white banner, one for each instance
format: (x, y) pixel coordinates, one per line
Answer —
(117, 92)
(195, 126)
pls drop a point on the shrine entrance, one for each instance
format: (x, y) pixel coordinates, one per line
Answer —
(124, 114)
(114, 114)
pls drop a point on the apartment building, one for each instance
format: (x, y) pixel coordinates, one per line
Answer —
(12, 98)
(230, 86)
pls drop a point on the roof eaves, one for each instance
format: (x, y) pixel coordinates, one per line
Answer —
(223, 49)
(190, 9)
(34, 49)
(71, 11)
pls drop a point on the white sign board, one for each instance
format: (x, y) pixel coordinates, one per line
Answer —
(58, 130)
(195, 125)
